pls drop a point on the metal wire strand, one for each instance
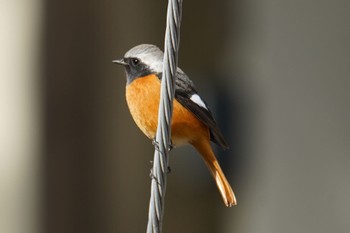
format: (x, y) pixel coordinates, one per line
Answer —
(163, 136)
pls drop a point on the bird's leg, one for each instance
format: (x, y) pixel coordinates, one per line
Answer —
(171, 146)
(156, 146)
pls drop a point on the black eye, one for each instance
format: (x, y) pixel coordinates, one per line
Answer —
(135, 61)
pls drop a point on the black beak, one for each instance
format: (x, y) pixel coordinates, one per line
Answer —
(120, 62)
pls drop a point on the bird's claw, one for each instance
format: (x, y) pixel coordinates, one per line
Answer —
(155, 143)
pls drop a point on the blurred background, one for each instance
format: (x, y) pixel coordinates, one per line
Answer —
(275, 73)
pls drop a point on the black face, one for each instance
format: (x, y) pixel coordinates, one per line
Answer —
(135, 69)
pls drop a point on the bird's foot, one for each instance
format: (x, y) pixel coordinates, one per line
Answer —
(156, 145)
(171, 146)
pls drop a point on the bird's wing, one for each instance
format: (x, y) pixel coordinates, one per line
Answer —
(187, 96)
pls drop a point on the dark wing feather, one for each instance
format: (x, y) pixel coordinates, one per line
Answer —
(183, 91)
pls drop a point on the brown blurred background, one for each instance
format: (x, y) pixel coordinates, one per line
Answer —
(275, 73)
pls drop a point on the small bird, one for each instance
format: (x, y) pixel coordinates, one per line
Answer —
(192, 121)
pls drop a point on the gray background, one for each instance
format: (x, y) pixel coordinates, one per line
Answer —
(275, 73)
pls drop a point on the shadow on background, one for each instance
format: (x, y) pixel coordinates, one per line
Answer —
(96, 161)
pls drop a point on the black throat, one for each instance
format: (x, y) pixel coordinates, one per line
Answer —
(135, 71)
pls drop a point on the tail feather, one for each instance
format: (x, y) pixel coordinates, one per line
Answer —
(210, 160)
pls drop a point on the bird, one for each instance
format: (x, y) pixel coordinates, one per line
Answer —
(192, 121)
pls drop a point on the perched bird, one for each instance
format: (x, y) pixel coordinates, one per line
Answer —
(192, 121)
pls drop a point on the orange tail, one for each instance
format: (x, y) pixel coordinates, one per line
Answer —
(224, 187)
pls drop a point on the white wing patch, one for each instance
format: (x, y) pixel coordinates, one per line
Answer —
(197, 99)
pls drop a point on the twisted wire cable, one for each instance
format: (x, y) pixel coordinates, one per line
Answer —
(163, 136)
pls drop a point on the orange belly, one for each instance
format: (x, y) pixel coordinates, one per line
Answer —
(142, 96)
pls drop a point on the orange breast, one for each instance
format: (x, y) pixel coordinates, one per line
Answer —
(142, 96)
